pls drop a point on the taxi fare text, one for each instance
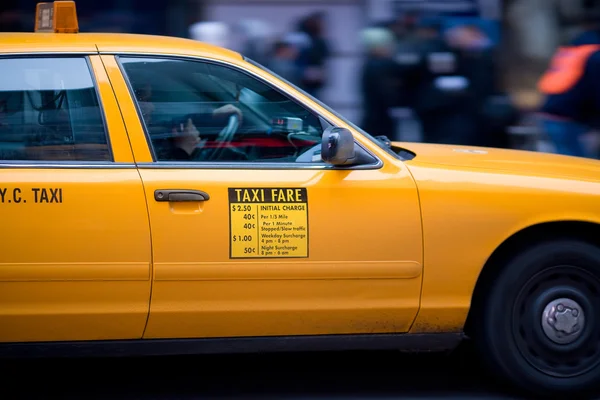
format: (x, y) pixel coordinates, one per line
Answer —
(268, 195)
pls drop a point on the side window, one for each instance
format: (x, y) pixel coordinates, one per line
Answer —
(200, 111)
(49, 111)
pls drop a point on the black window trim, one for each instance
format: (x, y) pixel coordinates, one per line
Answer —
(377, 164)
(111, 163)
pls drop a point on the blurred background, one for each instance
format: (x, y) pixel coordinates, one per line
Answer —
(442, 71)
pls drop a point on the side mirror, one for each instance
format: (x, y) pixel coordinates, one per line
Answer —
(337, 146)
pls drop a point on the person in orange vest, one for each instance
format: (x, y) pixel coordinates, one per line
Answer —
(571, 86)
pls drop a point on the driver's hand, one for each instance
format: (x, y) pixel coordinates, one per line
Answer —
(227, 110)
(188, 132)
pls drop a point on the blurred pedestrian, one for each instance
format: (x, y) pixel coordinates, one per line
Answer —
(408, 55)
(283, 61)
(379, 82)
(312, 58)
(571, 86)
(441, 97)
(491, 108)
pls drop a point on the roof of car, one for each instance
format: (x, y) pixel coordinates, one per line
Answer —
(24, 43)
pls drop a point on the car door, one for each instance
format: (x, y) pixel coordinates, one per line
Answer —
(254, 235)
(75, 259)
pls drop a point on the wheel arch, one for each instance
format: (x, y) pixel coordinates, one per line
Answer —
(529, 236)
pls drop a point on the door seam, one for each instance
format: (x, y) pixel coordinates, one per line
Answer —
(145, 198)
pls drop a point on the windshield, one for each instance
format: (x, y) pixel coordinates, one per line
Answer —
(378, 142)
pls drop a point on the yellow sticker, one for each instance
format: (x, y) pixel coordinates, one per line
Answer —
(268, 222)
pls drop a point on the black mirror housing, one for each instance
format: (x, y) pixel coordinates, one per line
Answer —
(337, 146)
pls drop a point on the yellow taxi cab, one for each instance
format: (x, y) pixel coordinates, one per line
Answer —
(161, 196)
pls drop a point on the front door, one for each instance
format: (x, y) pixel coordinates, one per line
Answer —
(252, 233)
(75, 258)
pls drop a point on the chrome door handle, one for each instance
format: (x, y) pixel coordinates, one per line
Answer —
(180, 195)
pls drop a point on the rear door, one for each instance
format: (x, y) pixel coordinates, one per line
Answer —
(75, 239)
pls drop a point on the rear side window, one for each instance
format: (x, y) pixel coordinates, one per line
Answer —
(49, 111)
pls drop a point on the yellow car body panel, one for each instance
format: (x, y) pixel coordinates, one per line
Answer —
(148, 44)
(347, 284)
(32, 43)
(511, 162)
(75, 261)
(393, 249)
(473, 199)
(135, 130)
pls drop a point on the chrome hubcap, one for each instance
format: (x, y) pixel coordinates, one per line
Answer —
(563, 321)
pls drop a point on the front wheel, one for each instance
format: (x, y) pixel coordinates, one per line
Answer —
(539, 326)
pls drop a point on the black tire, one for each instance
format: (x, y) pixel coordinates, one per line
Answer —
(509, 333)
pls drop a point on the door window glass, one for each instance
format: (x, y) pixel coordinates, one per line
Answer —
(49, 111)
(201, 111)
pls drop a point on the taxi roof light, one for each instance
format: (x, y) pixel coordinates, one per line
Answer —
(56, 17)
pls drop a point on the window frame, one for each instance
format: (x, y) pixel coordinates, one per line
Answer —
(67, 163)
(325, 122)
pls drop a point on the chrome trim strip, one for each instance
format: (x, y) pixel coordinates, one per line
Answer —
(159, 53)
(59, 53)
(378, 164)
(65, 165)
(250, 165)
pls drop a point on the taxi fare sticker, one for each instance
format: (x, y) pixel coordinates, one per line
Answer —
(268, 223)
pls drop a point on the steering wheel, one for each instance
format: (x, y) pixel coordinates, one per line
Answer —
(225, 136)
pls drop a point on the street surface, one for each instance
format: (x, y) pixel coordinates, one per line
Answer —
(349, 375)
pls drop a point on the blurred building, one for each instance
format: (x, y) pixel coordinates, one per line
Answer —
(528, 30)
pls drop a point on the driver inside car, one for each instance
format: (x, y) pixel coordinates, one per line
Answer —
(185, 142)
(182, 143)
